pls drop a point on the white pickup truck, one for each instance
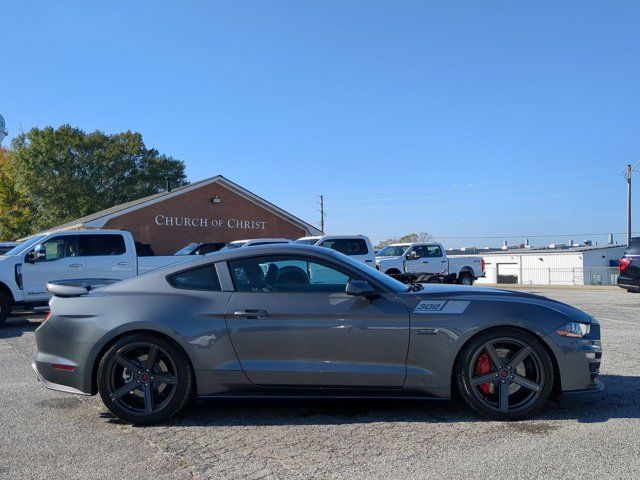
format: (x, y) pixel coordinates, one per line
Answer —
(429, 258)
(105, 254)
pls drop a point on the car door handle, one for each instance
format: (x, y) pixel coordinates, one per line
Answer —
(124, 264)
(426, 261)
(75, 265)
(251, 314)
(443, 261)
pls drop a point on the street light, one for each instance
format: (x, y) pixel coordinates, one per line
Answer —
(627, 176)
(3, 129)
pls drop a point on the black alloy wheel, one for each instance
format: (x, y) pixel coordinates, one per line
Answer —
(144, 379)
(505, 375)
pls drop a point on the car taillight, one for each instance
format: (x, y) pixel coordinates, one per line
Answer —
(482, 264)
(46, 317)
(624, 263)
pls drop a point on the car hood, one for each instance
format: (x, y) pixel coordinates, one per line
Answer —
(442, 293)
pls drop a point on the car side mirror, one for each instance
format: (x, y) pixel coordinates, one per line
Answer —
(412, 256)
(35, 256)
(361, 288)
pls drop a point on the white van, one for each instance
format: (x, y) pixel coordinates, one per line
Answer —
(356, 246)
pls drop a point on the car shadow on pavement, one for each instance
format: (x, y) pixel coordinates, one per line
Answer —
(618, 400)
(17, 326)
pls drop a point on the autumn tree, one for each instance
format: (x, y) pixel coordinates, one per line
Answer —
(15, 214)
(410, 238)
(66, 173)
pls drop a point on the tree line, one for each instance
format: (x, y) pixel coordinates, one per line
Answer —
(51, 176)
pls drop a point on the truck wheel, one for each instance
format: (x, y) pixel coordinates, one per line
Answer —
(465, 279)
(5, 308)
(393, 271)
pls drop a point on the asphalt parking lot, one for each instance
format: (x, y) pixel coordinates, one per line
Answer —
(52, 435)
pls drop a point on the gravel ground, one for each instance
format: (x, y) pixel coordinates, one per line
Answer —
(53, 435)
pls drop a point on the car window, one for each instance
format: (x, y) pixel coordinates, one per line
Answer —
(392, 251)
(287, 274)
(434, 251)
(634, 246)
(60, 247)
(421, 251)
(201, 278)
(348, 246)
(101, 245)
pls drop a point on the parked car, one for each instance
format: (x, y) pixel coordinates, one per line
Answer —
(429, 258)
(357, 247)
(105, 254)
(200, 248)
(144, 250)
(254, 242)
(629, 277)
(6, 246)
(255, 321)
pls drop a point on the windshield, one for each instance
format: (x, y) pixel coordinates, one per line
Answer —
(25, 246)
(234, 245)
(306, 241)
(392, 251)
(187, 250)
(391, 283)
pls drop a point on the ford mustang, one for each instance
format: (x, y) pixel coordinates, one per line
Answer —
(303, 321)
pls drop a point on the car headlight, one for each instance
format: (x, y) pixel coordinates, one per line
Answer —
(574, 330)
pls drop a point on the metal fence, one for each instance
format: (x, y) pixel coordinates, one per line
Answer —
(551, 276)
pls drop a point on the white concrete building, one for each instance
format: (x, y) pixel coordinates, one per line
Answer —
(578, 265)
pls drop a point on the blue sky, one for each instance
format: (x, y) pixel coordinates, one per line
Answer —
(464, 119)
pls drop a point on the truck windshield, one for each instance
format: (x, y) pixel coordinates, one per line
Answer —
(392, 251)
(231, 245)
(187, 250)
(306, 241)
(23, 247)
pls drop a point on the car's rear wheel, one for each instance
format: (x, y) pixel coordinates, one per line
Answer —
(144, 379)
(465, 279)
(506, 375)
(5, 308)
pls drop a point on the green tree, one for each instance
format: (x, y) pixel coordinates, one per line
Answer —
(67, 173)
(410, 238)
(15, 214)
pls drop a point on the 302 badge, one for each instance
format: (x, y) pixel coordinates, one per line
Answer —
(455, 307)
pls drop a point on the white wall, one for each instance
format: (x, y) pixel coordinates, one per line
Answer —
(554, 268)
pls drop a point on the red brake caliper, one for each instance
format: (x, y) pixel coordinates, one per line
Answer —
(483, 366)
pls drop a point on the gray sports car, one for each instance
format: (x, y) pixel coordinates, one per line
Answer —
(296, 320)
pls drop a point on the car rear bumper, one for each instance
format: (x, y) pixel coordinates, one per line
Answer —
(629, 283)
(60, 363)
(56, 386)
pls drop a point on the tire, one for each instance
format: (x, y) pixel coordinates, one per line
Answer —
(393, 271)
(129, 386)
(465, 279)
(5, 308)
(516, 390)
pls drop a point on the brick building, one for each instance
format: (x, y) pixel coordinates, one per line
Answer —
(211, 210)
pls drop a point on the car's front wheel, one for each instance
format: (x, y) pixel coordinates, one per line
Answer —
(144, 379)
(506, 374)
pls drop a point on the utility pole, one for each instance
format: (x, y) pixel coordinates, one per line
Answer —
(627, 176)
(321, 213)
